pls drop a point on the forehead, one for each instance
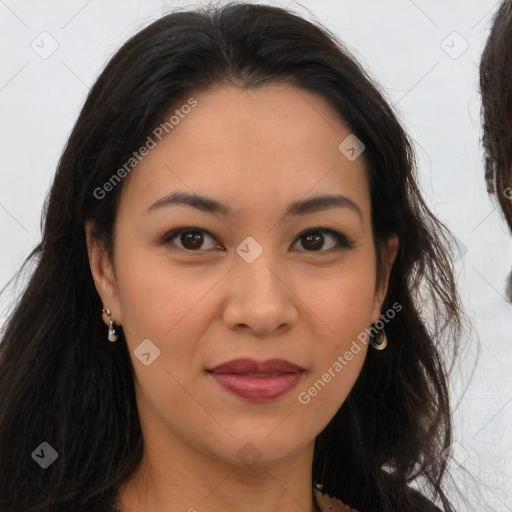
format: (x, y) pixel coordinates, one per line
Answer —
(251, 148)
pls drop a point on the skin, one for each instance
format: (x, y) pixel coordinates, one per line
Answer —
(256, 151)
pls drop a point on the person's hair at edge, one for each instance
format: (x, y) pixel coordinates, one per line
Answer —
(61, 381)
(496, 92)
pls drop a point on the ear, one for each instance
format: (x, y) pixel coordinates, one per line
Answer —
(388, 258)
(103, 274)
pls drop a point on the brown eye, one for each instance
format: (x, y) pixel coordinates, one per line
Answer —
(191, 239)
(314, 240)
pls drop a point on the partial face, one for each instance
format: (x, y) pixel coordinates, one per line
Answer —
(254, 278)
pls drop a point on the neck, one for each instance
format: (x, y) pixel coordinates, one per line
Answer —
(182, 479)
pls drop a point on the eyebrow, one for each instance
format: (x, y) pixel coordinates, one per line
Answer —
(301, 207)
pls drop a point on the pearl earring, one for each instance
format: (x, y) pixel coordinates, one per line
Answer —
(112, 334)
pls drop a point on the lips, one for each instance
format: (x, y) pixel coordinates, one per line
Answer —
(257, 381)
(250, 366)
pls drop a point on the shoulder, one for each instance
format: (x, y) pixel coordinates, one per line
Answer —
(328, 504)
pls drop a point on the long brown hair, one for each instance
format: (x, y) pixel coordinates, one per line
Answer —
(62, 383)
(496, 92)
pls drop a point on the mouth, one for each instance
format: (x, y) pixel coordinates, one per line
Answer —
(259, 375)
(257, 387)
(246, 366)
(257, 381)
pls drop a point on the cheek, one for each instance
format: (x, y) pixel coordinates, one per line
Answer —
(344, 306)
(343, 302)
(326, 390)
(162, 303)
(154, 294)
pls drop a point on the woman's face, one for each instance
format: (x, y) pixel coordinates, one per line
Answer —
(250, 279)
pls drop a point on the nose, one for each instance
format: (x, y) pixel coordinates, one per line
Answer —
(259, 297)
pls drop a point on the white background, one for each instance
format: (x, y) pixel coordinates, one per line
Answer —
(436, 95)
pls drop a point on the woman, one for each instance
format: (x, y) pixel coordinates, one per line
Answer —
(496, 91)
(225, 309)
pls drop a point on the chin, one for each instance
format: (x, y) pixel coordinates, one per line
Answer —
(255, 451)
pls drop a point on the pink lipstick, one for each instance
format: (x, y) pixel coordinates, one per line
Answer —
(257, 381)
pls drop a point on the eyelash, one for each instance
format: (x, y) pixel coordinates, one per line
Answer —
(340, 239)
